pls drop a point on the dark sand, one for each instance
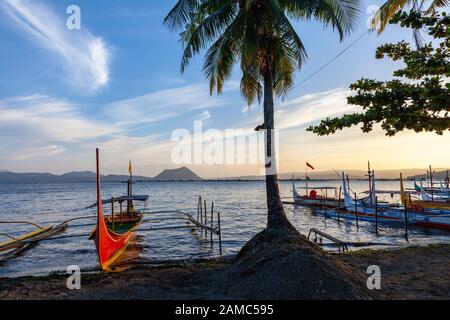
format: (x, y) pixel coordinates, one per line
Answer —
(296, 271)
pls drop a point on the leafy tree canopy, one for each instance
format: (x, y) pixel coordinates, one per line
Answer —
(419, 98)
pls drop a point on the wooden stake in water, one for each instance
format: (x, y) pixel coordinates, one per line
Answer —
(121, 212)
(376, 215)
(201, 217)
(339, 205)
(323, 208)
(220, 233)
(212, 215)
(340, 194)
(356, 209)
(198, 206)
(206, 222)
(406, 221)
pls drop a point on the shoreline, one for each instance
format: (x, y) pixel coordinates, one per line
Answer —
(406, 273)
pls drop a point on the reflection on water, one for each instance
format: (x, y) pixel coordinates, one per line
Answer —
(241, 204)
(130, 256)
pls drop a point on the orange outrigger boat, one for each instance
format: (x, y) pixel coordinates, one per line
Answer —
(111, 236)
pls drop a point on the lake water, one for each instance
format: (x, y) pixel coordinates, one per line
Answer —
(241, 204)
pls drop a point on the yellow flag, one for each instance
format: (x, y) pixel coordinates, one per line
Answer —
(130, 169)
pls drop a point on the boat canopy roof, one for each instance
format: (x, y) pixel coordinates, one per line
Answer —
(320, 188)
(122, 199)
(390, 192)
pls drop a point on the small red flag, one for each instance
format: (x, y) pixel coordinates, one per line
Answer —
(310, 166)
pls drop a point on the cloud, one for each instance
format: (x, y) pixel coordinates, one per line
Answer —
(84, 56)
(43, 118)
(205, 115)
(312, 108)
(37, 152)
(162, 105)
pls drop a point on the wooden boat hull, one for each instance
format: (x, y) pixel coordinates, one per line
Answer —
(110, 244)
(419, 204)
(435, 222)
(317, 202)
(346, 215)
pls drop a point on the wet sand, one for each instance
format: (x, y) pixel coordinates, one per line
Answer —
(410, 273)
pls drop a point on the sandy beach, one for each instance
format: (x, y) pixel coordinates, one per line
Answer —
(410, 273)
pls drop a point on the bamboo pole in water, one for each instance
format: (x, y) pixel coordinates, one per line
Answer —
(356, 209)
(339, 205)
(212, 215)
(376, 215)
(121, 212)
(201, 215)
(220, 233)
(206, 218)
(406, 221)
(199, 204)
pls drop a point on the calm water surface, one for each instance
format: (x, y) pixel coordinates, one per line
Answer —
(241, 205)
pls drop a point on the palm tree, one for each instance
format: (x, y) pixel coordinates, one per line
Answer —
(259, 35)
(391, 7)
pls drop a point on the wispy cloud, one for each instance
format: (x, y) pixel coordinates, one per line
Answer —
(165, 104)
(84, 56)
(43, 118)
(205, 115)
(31, 152)
(311, 108)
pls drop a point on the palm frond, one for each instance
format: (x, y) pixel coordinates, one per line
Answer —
(288, 33)
(222, 55)
(180, 14)
(251, 82)
(436, 4)
(202, 34)
(387, 10)
(339, 14)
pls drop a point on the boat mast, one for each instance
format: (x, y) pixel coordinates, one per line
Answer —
(130, 188)
(431, 184)
(306, 179)
(370, 181)
(447, 180)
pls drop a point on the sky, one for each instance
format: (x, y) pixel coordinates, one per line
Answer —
(115, 84)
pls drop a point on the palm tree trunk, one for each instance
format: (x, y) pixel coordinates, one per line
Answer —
(276, 217)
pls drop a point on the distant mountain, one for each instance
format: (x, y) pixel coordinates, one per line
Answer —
(75, 176)
(439, 175)
(181, 174)
(185, 174)
(331, 175)
(11, 177)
